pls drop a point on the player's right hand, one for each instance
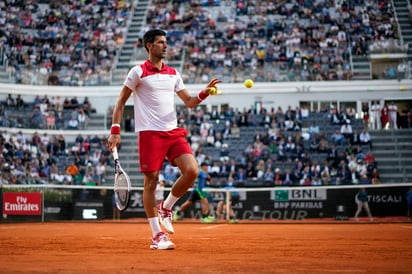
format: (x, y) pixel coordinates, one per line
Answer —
(113, 141)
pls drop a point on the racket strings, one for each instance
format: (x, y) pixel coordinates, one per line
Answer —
(121, 187)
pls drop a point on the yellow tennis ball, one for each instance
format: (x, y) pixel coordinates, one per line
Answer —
(213, 91)
(248, 83)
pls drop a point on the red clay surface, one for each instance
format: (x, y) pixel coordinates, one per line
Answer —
(123, 247)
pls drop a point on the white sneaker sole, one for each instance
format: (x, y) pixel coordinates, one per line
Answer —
(168, 246)
(167, 226)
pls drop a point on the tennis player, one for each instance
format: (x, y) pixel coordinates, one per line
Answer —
(197, 194)
(154, 85)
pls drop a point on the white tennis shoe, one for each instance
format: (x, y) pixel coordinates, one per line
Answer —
(161, 241)
(165, 218)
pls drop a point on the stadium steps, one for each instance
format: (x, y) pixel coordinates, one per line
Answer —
(96, 122)
(129, 158)
(125, 58)
(405, 24)
(393, 152)
(4, 75)
(361, 68)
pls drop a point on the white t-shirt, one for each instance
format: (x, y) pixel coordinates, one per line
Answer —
(154, 105)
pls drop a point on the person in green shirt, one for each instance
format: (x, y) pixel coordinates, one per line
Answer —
(361, 199)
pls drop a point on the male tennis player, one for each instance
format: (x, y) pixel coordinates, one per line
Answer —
(154, 85)
(197, 194)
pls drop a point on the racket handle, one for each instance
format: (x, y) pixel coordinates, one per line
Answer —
(115, 155)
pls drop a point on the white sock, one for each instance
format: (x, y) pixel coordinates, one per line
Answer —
(154, 225)
(170, 201)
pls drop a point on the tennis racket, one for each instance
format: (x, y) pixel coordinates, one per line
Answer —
(122, 185)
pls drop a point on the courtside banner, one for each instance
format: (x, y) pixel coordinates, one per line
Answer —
(21, 203)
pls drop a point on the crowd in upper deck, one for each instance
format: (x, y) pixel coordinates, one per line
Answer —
(76, 42)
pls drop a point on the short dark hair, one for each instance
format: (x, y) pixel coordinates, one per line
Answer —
(150, 35)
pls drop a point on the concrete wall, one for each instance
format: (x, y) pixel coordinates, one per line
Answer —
(236, 95)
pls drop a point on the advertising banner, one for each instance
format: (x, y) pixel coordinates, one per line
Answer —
(15, 203)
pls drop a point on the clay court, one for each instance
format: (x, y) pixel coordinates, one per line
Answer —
(123, 247)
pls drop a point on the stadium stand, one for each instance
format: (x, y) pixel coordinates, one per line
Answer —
(267, 41)
(271, 42)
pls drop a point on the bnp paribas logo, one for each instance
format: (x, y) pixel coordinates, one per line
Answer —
(283, 195)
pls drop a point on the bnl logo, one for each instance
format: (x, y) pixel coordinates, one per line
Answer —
(300, 195)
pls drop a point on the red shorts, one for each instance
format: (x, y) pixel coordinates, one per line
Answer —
(155, 146)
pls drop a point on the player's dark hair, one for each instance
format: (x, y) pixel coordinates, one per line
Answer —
(149, 36)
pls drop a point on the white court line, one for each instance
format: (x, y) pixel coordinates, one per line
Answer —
(213, 226)
(410, 227)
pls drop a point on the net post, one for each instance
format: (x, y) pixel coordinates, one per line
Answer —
(228, 198)
(42, 205)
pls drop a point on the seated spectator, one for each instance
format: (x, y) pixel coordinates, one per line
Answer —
(224, 169)
(214, 170)
(316, 181)
(19, 102)
(290, 146)
(355, 138)
(289, 125)
(278, 178)
(365, 138)
(73, 123)
(296, 176)
(240, 175)
(314, 129)
(287, 178)
(59, 178)
(344, 175)
(170, 176)
(364, 180)
(260, 169)
(338, 138)
(351, 113)
(235, 131)
(281, 154)
(268, 176)
(346, 130)
(224, 153)
(354, 175)
(362, 168)
(325, 176)
(51, 121)
(323, 145)
(10, 102)
(314, 144)
(375, 178)
(83, 119)
(335, 117)
(250, 170)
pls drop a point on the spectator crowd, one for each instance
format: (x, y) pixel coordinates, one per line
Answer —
(77, 42)
(71, 43)
(282, 149)
(47, 112)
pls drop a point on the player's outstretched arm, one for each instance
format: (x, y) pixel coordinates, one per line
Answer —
(193, 100)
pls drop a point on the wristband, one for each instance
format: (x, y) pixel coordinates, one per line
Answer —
(201, 96)
(115, 129)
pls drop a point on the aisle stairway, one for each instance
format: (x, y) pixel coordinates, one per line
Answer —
(393, 152)
(128, 47)
(129, 158)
